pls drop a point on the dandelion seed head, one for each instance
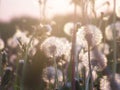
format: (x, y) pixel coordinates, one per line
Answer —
(90, 32)
(66, 47)
(12, 42)
(55, 46)
(49, 46)
(22, 36)
(49, 75)
(96, 63)
(109, 31)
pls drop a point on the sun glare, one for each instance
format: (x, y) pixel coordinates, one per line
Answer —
(57, 7)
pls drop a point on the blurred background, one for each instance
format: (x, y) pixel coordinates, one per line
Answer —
(21, 18)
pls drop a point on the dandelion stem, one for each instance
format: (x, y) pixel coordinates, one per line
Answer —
(15, 83)
(56, 73)
(73, 56)
(0, 65)
(90, 70)
(25, 61)
(114, 42)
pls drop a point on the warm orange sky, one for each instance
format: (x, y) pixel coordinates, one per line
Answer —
(16, 8)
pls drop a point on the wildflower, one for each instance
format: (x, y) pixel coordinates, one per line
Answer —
(49, 75)
(54, 46)
(98, 62)
(12, 42)
(89, 34)
(22, 36)
(109, 31)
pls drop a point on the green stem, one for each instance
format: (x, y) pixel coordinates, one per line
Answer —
(87, 82)
(15, 83)
(25, 61)
(56, 73)
(114, 42)
(1, 66)
(90, 69)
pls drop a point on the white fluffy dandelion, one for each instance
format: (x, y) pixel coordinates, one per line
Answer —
(109, 31)
(12, 42)
(22, 36)
(49, 75)
(54, 46)
(89, 33)
(97, 62)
